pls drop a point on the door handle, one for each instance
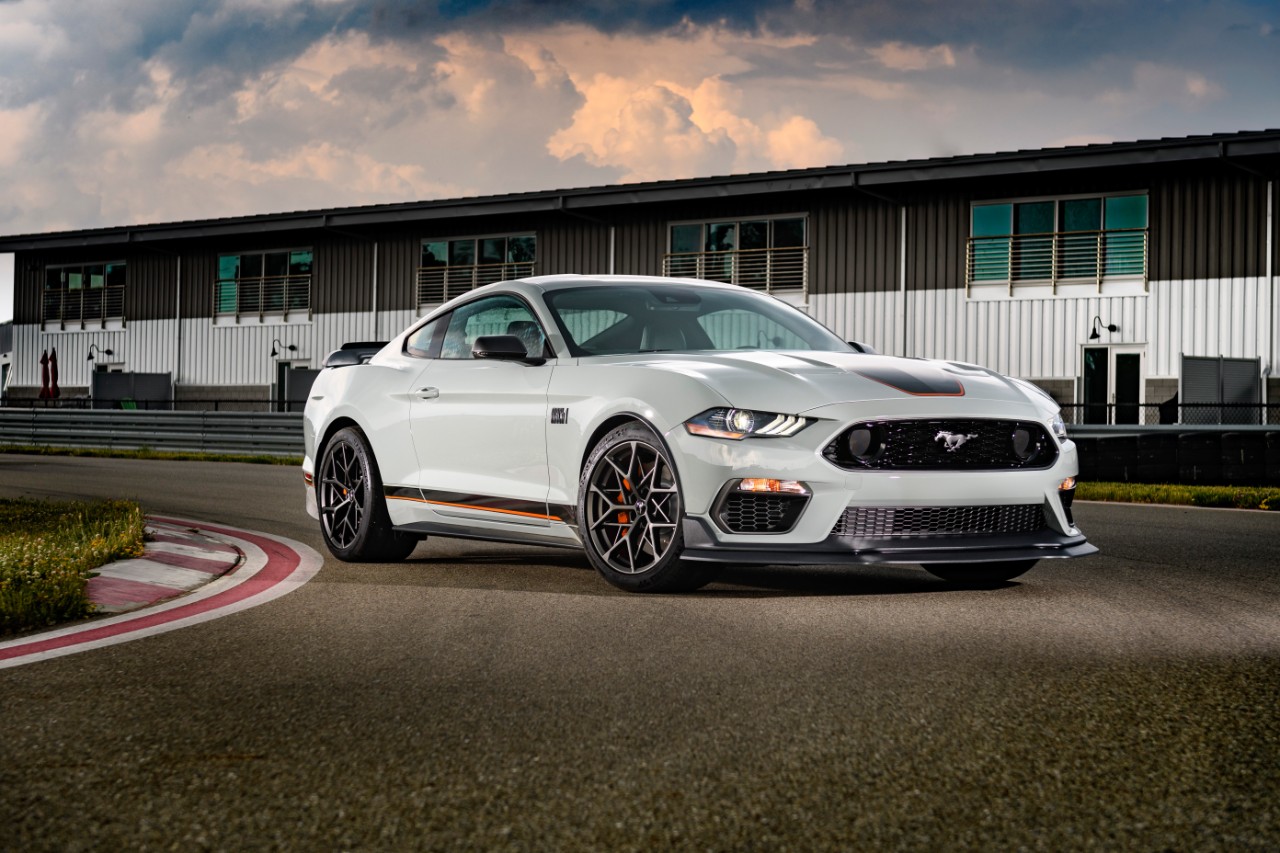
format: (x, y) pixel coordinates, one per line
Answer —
(428, 393)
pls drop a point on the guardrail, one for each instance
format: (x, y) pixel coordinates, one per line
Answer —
(230, 404)
(204, 432)
(1226, 415)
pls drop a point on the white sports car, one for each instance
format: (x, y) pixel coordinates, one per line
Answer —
(671, 426)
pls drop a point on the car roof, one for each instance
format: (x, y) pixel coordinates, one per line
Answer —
(563, 281)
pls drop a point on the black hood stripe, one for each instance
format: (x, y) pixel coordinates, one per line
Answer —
(920, 381)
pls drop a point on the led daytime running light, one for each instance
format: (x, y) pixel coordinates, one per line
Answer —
(740, 423)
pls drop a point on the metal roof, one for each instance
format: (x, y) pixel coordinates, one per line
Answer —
(594, 201)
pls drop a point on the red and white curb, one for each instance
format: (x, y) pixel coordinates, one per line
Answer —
(178, 559)
(273, 566)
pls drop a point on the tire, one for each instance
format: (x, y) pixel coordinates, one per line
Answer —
(630, 513)
(353, 511)
(979, 574)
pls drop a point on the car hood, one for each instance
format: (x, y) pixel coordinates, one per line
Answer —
(796, 382)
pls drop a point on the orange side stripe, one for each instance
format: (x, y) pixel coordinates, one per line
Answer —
(473, 506)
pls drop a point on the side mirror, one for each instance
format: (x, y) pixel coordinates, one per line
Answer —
(503, 348)
(858, 347)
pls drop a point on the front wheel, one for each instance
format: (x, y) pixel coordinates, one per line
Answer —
(979, 574)
(630, 512)
(353, 512)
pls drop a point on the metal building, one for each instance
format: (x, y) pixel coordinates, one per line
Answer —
(1118, 277)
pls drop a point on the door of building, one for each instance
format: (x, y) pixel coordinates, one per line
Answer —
(1112, 388)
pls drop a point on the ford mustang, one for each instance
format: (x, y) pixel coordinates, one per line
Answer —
(669, 427)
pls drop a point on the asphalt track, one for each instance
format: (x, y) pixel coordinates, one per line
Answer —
(495, 697)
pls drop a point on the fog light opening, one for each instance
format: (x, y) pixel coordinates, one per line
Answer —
(1066, 494)
(768, 484)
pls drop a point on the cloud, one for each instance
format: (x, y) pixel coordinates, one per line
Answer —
(1154, 83)
(19, 127)
(909, 57)
(175, 109)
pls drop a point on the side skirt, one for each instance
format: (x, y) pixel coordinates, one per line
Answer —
(489, 534)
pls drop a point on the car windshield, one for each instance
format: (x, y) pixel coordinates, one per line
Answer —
(617, 319)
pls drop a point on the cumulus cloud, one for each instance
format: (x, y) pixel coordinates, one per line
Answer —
(173, 109)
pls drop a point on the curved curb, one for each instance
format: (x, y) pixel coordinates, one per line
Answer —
(273, 566)
(178, 559)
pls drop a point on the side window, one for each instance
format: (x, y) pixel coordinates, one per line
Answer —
(419, 343)
(495, 315)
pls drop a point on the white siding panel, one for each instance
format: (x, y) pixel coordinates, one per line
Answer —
(241, 354)
(870, 318)
(1210, 317)
(144, 346)
(1038, 338)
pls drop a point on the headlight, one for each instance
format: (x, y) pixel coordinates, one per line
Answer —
(740, 423)
(1058, 427)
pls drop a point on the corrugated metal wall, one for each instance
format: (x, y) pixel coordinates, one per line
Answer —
(342, 275)
(1207, 223)
(570, 245)
(639, 244)
(146, 346)
(937, 230)
(1207, 296)
(398, 258)
(1210, 317)
(854, 244)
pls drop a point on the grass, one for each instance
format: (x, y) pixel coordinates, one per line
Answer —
(1227, 497)
(48, 551)
(148, 453)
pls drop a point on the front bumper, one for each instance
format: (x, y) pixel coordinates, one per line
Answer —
(707, 466)
(701, 545)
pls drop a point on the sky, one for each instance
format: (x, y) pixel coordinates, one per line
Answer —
(163, 110)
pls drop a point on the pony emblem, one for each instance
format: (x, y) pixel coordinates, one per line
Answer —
(953, 441)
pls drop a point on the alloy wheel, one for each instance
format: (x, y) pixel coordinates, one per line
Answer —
(343, 494)
(633, 507)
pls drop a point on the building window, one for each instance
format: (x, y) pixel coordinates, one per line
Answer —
(450, 267)
(264, 283)
(767, 253)
(1055, 242)
(83, 293)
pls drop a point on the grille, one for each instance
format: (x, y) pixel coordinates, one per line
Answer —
(760, 513)
(876, 522)
(922, 445)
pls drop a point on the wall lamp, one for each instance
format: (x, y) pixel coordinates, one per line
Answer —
(95, 351)
(1097, 321)
(275, 345)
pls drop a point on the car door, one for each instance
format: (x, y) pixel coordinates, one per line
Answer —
(479, 425)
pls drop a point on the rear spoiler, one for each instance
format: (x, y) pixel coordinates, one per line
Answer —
(353, 353)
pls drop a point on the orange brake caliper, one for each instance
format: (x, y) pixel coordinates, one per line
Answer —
(623, 518)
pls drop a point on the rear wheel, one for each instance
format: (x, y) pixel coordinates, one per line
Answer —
(630, 512)
(979, 574)
(353, 511)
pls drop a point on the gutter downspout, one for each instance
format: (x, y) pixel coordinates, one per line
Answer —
(903, 314)
(612, 236)
(177, 358)
(1269, 268)
(375, 290)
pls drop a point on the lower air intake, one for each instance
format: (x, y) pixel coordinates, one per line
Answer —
(878, 522)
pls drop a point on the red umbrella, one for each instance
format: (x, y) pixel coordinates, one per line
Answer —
(44, 375)
(54, 391)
